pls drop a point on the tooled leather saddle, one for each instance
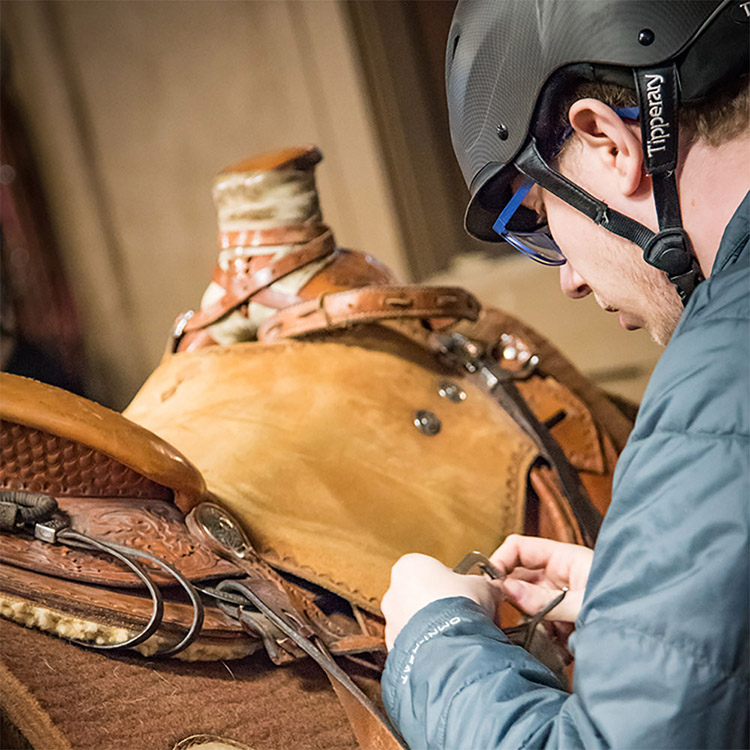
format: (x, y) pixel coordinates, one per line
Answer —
(312, 421)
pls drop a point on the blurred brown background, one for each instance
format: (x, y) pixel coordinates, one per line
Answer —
(126, 110)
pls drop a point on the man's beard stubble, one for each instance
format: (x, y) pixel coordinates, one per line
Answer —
(664, 308)
(660, 305)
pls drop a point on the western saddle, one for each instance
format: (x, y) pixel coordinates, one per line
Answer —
(313, 420)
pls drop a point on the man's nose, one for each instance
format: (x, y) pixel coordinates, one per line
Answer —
(572, 284)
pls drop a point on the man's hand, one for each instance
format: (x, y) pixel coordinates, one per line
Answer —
(418, 580)
(538, 568)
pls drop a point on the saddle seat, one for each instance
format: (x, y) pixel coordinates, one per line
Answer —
(114, 481)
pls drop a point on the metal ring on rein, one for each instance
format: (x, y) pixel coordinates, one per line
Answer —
(478, 560)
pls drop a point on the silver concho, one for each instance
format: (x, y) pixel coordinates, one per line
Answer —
(219, 527)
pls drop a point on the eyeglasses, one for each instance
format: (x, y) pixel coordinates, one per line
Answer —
(538, 244)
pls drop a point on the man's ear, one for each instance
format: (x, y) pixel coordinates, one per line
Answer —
(616, 143)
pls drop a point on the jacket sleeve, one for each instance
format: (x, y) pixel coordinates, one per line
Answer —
(661, 644)
(453, 680)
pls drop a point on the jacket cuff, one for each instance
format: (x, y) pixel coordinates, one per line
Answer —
(456, 615)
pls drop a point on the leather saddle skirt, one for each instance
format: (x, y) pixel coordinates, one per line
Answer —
(317, 447)
(314, 446)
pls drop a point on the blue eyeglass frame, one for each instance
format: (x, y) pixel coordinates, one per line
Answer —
(548, 253)
(541, 235)
(511, 207)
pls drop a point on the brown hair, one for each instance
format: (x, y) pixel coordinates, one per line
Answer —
(716, 119)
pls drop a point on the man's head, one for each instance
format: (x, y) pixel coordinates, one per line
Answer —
(534, 89)
(603, 154)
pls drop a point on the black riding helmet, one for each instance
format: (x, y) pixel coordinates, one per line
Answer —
(509, 62)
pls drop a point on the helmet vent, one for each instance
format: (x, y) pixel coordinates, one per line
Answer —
(455, 46)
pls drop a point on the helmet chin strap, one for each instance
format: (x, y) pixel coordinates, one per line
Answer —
(669, 249)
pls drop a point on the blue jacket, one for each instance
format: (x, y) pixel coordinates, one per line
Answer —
(661, 643)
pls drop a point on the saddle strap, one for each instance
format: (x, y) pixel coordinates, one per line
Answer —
(286, 235)
(587, 517)
(245, 287)
(499, 383)
(215, 528)
(369, 727)
(367, 305)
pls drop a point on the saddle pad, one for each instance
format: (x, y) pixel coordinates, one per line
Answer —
(62, 697)
(99, 615)
(313, 445)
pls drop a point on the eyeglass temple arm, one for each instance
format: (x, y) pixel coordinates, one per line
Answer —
(531, 163)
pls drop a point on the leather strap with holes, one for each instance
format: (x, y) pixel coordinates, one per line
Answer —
(369, 304)
(244, 287)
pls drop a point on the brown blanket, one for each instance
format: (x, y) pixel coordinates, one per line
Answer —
(62, 697)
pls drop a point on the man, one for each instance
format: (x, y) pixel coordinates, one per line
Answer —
(565, 118)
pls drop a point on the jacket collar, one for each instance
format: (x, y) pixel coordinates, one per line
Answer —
(735, 239)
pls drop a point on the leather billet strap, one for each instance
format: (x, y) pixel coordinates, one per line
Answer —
(283, 597)
(586, 515)
(245, 287)
(272, 236)
(367, 305)
(499, 382)
(218, 530)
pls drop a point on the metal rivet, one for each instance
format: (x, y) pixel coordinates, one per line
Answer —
(646, 37)
(427, 423)
(452, 392)
(502, 132)
(510, 352)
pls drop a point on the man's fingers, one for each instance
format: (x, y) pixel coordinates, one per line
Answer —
(524, 551)
(563, 564)
(531, 599)
(418, 580)
(531, 576)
